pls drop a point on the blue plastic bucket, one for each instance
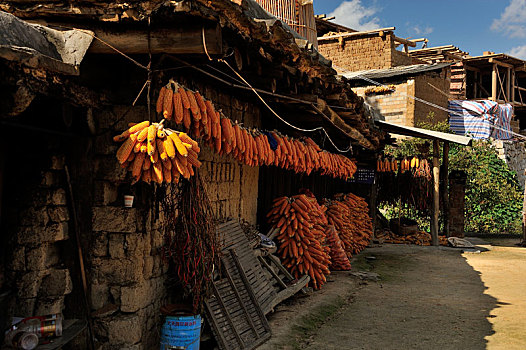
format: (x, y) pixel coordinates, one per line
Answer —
(181, 332)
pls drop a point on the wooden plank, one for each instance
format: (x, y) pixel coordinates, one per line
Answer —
(272, 272)
(173, 40)
(236, 292)
(225, 311)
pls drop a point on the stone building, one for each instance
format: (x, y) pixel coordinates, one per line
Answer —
(61, 187)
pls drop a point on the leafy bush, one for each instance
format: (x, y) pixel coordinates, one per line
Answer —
(493, 201)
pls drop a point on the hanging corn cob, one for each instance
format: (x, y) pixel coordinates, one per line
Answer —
(252, 147)
(339, 260)
(155, 153)
(301, 237)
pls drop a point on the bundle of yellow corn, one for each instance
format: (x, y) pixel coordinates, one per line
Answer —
(349, 214)
(418, 238)
(155, 153)
(380, 89)
(249, 146)
(301, 237)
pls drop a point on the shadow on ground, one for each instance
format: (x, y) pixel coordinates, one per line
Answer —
(426, 298)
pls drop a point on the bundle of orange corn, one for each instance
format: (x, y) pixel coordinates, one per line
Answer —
(349, 214)
(300, 221)
(386, 165)
(339, 260)
(154, 153)
(249, 146)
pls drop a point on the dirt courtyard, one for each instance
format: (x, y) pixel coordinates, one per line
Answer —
(424, 298)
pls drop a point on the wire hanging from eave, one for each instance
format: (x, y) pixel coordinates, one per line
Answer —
(320, 128)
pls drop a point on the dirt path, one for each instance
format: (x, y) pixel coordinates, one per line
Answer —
(427, 298)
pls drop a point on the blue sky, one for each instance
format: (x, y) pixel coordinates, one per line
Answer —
(471, 25)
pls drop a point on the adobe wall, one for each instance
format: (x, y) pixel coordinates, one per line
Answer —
(394, 107)
(432, 87)
(357, 53)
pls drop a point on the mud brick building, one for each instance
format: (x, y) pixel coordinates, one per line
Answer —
(370, 58)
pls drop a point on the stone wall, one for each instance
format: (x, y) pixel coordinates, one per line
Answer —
(38, 221)
(357, 53)
(514, 154)
(126, 271)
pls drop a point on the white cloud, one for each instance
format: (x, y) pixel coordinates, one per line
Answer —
(512, 21)
(519, 52)
(356, 16)
(418, 30)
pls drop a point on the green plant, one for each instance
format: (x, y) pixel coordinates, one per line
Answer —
(493, 200)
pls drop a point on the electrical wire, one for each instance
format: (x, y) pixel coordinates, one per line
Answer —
(449, 111)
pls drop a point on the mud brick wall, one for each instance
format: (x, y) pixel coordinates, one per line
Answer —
(394, 107)
(357, 53)
(432, 87)
(231, 186)
(38, 223)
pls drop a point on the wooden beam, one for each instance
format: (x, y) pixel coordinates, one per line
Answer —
(512, 83)
(404, 41)
(436, 193)
(500, 63)
(176, 40)
(366, 32)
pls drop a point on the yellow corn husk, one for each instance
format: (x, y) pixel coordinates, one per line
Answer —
(152, 133)
(181, 168)
(139, 127)
(137, 147)
(160, 148)
(187, 145)
(179, 144)
(169, 147)
(137, 165)
(143, 135)
(158, 172)
(126, 148)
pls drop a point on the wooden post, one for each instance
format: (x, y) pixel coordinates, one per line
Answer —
(508, 83)
(436, 193)
(445, 184)
(512, 82)
(475, 85)
(494, 83)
